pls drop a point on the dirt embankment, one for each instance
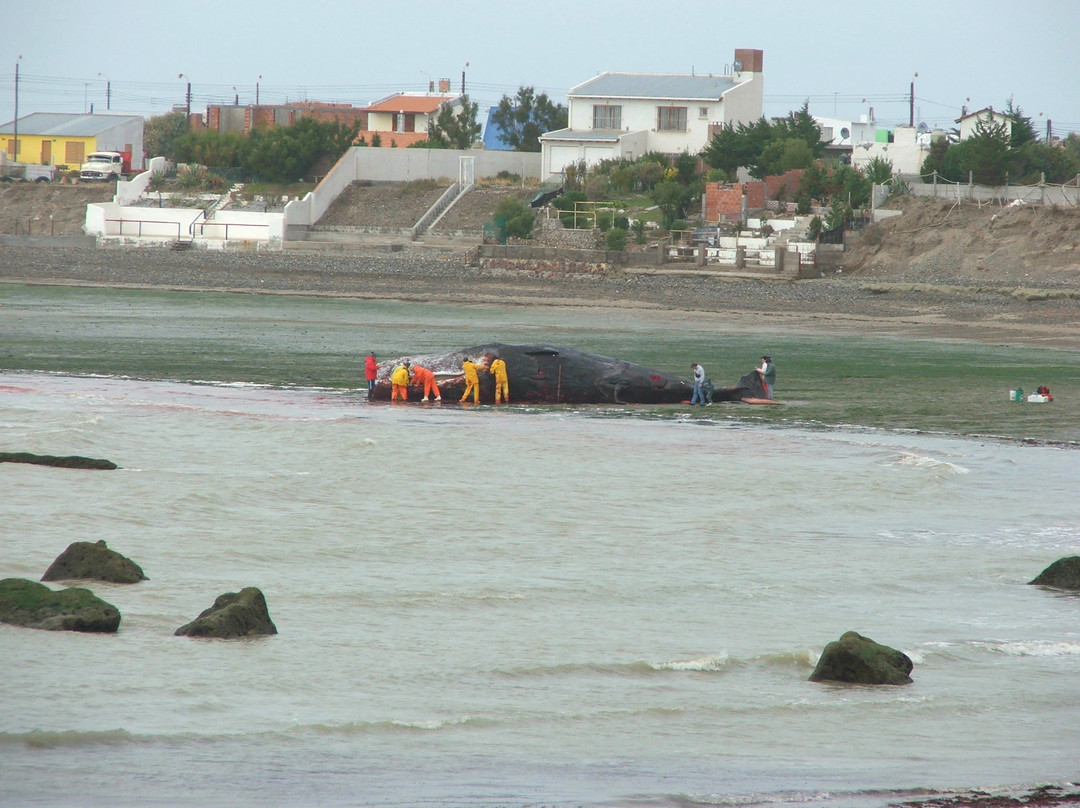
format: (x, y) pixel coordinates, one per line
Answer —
(48, 208)
(935, 241)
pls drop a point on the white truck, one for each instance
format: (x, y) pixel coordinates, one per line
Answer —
(106, 165)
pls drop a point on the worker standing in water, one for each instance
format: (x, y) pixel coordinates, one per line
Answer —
(422, 377)
(472, 381)
(502, 381)
(371, 373)
(400, 381)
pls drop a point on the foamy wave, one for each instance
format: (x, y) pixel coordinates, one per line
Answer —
(925, 462)
(375, 727)
(1031, 649)
(714, 662)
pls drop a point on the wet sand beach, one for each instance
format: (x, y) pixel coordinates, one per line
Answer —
(934, 308)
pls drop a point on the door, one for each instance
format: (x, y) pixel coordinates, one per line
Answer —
(46, 152)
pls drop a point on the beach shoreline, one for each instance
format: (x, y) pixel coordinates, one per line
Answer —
(942, 309)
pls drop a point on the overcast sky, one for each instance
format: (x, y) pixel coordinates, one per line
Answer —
(844, 57)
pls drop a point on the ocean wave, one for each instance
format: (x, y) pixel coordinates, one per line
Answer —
(1031, 648)
(913, 460)
(353, 728)
(56, 739)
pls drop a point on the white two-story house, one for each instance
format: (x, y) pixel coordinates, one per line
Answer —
(624, 115)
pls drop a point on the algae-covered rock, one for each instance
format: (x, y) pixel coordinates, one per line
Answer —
(33, 605)
(234, 614)
(95, 561)
(1062, 574)
(69, 462)
(859, 660)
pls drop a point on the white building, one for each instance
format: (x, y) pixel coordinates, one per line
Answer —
(859, 142)
(624, 115)
(969, 121)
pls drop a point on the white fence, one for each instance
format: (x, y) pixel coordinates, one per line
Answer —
(111, 222)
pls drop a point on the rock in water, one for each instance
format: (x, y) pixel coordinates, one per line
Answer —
(33, 605)
(234, 614)
(1062, 574)
(70, 462)
(859, 660)
(93, 560)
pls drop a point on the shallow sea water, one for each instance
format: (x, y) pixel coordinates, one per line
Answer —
(525, 607)
(529, 606)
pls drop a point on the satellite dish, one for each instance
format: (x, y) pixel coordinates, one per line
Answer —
(738, 65)
(922, 128)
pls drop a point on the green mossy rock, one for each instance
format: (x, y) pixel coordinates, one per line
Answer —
(69, 462)
(859, 660)
(94, 561)
(234, 614)
(33, 605)
(1062, 574)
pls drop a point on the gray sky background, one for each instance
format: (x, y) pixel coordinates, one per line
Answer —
(844, 57)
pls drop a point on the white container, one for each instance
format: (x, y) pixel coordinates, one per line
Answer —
(1035, 398)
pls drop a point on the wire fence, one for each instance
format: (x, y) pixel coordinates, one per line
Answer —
(1045, 193)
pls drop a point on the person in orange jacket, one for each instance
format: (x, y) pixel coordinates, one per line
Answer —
(502, 381)
(422, 377)
(400, 381)
(472, 381)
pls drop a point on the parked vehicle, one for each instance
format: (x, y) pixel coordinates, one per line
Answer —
(106, 165)
(27, 172)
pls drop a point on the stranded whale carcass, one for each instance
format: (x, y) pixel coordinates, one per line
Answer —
(545, 374)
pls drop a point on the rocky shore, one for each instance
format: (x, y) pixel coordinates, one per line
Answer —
(940, 307)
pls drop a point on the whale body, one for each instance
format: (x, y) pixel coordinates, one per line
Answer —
(547, 374)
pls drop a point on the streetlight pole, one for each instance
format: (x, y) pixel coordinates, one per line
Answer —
(108, 92)
(187, 116)
(257, 89)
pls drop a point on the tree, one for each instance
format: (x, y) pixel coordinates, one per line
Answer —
(879, 170)
(672, 198)
(161, 132)
(525, 117)
(1023, 130)
(765, 147)
(452, 130)
(209, 148)
(286, 153)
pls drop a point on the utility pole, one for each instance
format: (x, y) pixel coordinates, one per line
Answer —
(911, 115)
(15, 156)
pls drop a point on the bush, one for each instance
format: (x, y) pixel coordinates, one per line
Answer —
(616, 239)
(513, 219)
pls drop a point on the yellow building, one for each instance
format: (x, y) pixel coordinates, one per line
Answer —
(51, 138)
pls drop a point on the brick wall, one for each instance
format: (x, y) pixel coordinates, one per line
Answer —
(723, 202)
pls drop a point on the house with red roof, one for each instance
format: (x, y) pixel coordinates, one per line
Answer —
(402, 119)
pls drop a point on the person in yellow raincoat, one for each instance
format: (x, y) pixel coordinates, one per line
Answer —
(472, 381)
(400, 381)
(502, 381)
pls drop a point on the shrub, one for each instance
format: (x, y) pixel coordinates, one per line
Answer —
(513, 219)
(615, 240)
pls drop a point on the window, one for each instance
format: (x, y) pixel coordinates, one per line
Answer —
(73, 152)
(671, 119)
(606, 116)
(703, 113)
